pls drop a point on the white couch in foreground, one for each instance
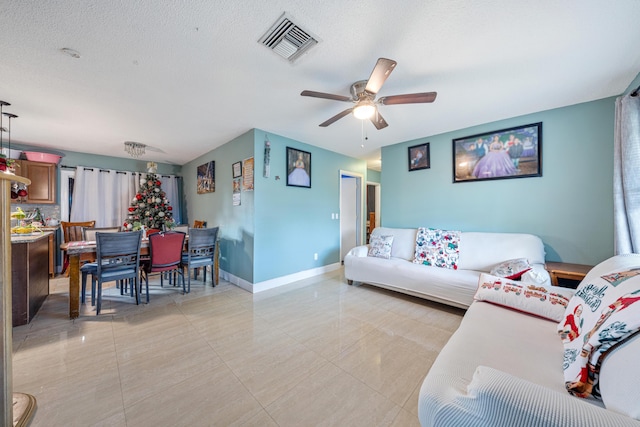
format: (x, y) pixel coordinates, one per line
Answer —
(479, 252)
(503, 367)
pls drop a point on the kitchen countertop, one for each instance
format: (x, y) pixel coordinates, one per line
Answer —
(28, 238)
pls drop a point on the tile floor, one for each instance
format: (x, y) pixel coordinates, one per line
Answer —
(315, 352)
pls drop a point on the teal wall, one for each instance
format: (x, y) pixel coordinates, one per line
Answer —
(237, 228)
(294, 223)
(73, 158)
(276, 229)
(570, 207)
(373, 176)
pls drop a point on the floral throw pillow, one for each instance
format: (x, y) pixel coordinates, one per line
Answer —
(380, 246)
(603, 312)
(540, 301)
(512, 269)
(438, 248)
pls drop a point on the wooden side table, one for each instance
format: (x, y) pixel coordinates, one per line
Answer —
(562, 270)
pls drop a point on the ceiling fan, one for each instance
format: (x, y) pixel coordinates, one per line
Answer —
(363, 95)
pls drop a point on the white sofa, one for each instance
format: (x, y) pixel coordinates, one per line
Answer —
(504, 368)
(479, 252)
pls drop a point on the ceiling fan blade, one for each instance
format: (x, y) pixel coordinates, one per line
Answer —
(336, 117)
(379, 75)
(325, 96)
(410, 98)
(378, 121)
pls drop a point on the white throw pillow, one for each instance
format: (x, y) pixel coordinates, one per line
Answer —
(380, 246)
(512, 269)
(547, 302)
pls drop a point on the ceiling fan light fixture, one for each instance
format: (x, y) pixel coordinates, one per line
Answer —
(364, 110)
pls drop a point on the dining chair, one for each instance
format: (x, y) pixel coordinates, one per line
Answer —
(165, 256)
(184, 228)
(118, 259)
(72, 232)
(199, 224)
(89, 233)
(201, 251)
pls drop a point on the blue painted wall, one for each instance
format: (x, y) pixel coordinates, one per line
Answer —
(294, 223)
(236, 223)
(570, 207)
(373, 176)
(276, 229)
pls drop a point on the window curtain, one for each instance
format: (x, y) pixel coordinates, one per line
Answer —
(626, 178)
(102, 195)
(171, 186)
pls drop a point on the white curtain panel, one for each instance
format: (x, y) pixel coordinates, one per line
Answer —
(102, 195)
(170, 185)
(105, 195)
(626, 175)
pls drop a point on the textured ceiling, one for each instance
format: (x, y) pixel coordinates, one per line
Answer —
(188, 76)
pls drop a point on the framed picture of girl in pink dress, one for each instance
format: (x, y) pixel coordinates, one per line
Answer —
(507, 153)
(298, 168)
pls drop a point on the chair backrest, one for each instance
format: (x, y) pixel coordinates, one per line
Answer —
(90, 233)
(202, 242)
(184, 228)
(199, 224)
(118, 250)
(165, 250)
(152, 231)
(72, 231)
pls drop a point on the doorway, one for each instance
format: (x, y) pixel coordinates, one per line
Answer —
(373, 207)
(351, 204)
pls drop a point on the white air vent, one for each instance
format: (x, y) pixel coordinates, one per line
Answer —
(287, 39)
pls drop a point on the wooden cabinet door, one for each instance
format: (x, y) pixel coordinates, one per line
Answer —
(43, 181)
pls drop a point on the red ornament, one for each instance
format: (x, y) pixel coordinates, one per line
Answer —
(131, 209)
(169, 208)
(139, 196)
(158, 183)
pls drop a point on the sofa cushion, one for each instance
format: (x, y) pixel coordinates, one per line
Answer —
(404, 241)
(482, 251)
(437, 248)
(380, 246)
(547, 302)
(511, 269)
(604, 312)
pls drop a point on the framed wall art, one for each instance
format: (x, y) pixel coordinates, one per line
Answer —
(506, 153)
(237, 169)
(419, 157)
(206, 178)
(298, 168)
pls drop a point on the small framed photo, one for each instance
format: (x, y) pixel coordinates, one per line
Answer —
(419, 157)
(502, 154)
(237, 169)
(298, 168)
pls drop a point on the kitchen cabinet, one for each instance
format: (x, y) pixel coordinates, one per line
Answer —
(29, 275)
(43, 181)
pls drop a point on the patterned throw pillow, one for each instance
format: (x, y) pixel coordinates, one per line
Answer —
(380, 246)
(512, 269)
(603, 312)
(528, 298)
(438, 248)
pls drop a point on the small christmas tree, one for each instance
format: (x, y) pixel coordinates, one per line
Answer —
(150, 207)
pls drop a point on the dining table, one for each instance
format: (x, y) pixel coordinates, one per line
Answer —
(88, 248)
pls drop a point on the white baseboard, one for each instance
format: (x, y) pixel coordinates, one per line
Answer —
(278, 281)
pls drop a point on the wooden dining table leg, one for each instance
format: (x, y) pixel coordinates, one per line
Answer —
(74, 286)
